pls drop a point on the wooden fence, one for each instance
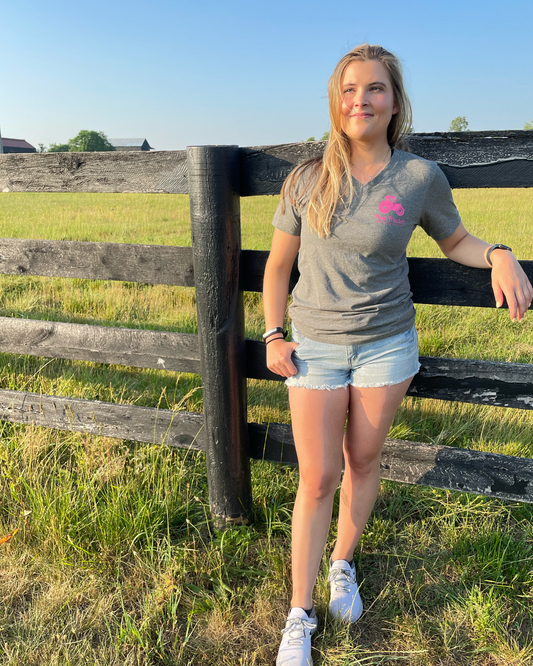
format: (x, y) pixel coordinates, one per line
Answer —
(215, 177)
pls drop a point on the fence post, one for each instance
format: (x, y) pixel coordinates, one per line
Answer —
(213, 175)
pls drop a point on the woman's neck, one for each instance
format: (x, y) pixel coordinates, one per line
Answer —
(364, 153)
(368, 161)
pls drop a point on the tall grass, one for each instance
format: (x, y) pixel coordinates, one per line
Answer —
(114, 560)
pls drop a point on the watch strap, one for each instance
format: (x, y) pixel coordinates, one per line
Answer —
(496, 246)
(273, 331)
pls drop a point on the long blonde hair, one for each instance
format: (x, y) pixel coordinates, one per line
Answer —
(331, 172)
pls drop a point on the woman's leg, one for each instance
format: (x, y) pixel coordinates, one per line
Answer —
(371, 412)
(318, 418)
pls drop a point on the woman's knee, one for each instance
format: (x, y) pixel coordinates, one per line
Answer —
(319, 485)
(362, 464)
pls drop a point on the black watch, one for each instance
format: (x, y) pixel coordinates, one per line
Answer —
(496, 246)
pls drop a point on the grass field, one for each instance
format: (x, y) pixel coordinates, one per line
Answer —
(114, 561)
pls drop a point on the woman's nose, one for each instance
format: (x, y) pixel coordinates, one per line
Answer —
(360, 98)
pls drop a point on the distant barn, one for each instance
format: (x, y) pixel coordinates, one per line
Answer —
(17, 146)
(130, 144)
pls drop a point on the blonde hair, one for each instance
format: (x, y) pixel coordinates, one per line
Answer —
(332, 169)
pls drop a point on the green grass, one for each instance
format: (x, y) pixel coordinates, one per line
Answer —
(114, 561)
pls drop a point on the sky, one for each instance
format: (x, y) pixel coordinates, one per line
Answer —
(182, 72)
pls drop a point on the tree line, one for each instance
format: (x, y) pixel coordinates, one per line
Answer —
(86, 141)
(459, 124)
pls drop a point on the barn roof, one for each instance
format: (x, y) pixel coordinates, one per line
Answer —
(129, 143)
(16, 143)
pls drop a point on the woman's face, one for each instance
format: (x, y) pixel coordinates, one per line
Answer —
(367, 101)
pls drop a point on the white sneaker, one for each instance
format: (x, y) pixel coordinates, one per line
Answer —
(345, 602)
(295, 648)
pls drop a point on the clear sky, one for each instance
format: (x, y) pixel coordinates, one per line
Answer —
(185, 72)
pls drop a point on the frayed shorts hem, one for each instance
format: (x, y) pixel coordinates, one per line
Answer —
(325, 387)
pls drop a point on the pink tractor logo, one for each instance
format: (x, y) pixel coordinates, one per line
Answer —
(389, 203)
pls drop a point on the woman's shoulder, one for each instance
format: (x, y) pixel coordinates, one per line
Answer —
(416, 166)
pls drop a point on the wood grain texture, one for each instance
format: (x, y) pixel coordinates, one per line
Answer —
(140, 424)
(494, 475)
(153, 264)
(506, 157)
(114, 171)
(162, 350)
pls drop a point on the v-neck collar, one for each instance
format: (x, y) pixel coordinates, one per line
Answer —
(362, 187)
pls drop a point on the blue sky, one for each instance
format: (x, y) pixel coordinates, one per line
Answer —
(241, 72)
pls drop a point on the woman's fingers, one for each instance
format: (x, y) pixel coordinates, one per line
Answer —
(514, 284)
(279, 357)
(498, 293)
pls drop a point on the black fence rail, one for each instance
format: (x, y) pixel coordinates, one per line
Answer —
(215, 177)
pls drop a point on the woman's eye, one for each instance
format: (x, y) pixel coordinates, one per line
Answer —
(379, 88)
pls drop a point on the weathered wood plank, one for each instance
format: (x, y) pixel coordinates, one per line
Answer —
(477, 382)
(461, 380)
(153, 264)
(114, 171)
(437, 281)
(162, 350)
(140, 424)
(494, 475)
(264, 168)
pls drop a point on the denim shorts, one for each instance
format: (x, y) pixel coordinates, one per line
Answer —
(322, 365)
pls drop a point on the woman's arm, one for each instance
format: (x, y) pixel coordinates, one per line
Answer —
(275, 293)
(508, 277)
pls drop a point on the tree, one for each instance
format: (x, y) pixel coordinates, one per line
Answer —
(324, 137)
(459, 124)
(58, 148)
(529, 125)
(88, 141)
(42, 148)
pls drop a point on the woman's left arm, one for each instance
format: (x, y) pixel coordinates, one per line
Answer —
(508, 277)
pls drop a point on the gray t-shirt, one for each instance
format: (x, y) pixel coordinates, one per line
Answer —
(354, 285)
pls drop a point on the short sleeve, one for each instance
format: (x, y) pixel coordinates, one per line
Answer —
(290, 220)
(439, 217)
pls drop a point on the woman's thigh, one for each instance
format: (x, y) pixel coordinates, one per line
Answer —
(370, 415)
(318, 419)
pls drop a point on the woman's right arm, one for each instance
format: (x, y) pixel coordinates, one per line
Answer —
(275, 293)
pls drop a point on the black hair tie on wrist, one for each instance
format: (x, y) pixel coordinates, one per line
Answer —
(272, 340)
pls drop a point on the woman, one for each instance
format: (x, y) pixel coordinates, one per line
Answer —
(350, 215)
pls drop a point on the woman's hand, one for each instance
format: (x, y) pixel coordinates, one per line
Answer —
(509, 280)
(279, 354)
